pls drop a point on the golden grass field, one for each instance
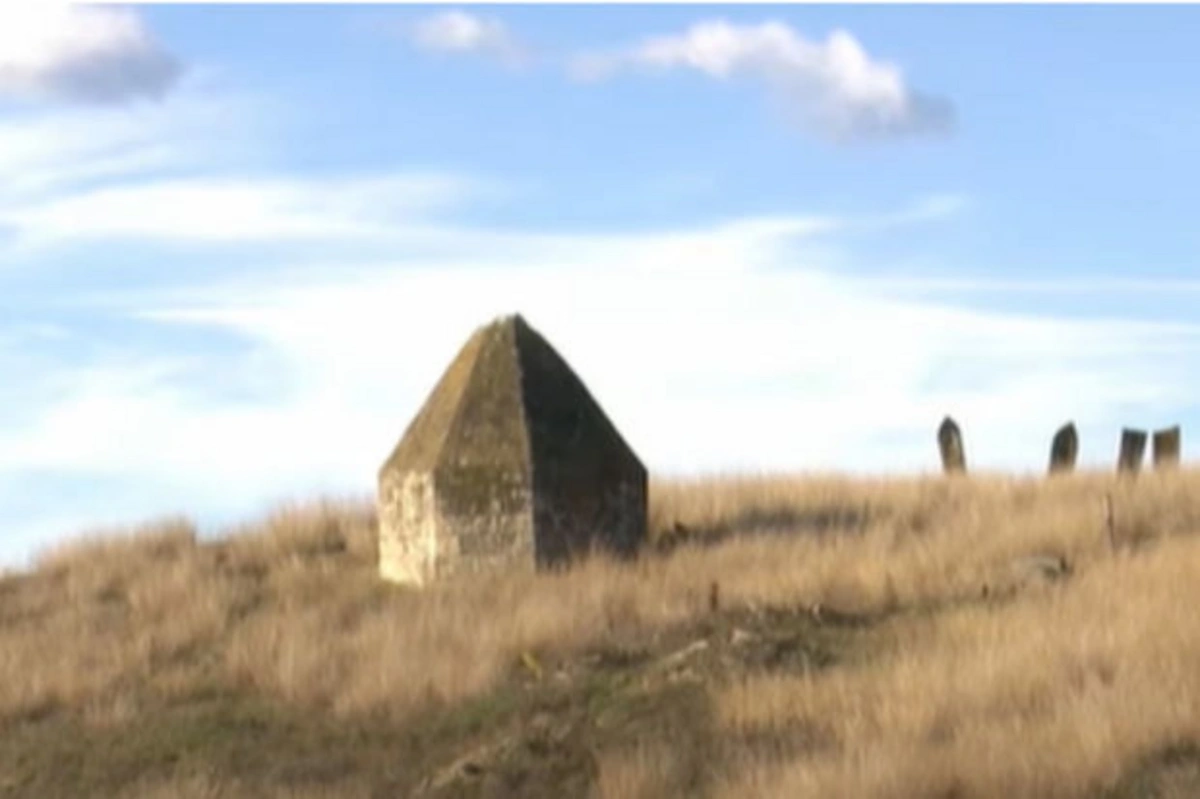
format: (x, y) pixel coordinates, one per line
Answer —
(838, 638)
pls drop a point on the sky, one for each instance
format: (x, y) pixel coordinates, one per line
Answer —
(239, 244)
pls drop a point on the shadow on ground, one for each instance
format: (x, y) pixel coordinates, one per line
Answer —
(783, 520)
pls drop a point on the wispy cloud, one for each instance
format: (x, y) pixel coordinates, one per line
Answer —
(753, 365)
(176, 170)
(465, 33)
(787, 366)
(719, 347)
(58, 152)
(202, 210)
(726, 345)
(833, 87)
(94, 55)
(1073, 286)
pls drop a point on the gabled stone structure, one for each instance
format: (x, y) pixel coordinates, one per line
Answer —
(509, 461)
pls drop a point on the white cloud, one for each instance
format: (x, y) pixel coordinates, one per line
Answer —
(176, 170)
(85, 54)
(726, 346)
(1072, 286)
(723, 347)
(750, 360)
(834, 87)
(53, 154)
(233, 210)
(461, 32)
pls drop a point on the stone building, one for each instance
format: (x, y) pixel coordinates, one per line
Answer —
(509, 461)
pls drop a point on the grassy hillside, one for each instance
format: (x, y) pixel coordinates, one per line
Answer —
(813, 637)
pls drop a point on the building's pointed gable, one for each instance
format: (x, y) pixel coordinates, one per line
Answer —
(509, 460)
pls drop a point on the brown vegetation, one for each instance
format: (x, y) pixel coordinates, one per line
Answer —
(872, 638)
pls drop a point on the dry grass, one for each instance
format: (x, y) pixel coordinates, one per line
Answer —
(1054, 693)
(646, 771)
(210, 786)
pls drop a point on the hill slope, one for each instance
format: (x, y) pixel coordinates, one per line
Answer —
(794, 637)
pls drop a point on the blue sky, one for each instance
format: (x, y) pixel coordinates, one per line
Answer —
(239, 244)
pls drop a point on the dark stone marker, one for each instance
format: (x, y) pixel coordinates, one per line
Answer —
(950, 444)
(1064, 449)
(1166, 447)
(1133, 450)
(509, 461)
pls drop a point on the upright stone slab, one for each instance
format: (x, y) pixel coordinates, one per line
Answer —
(1064, 449)
(1166, 447)
(1133, 451)
(510, 460)
(950, 444)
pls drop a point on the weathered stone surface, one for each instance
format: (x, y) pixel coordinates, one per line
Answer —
(1133, 450)
(1166, 447)
(1064, 449)
(950, 444)
(510, 460)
